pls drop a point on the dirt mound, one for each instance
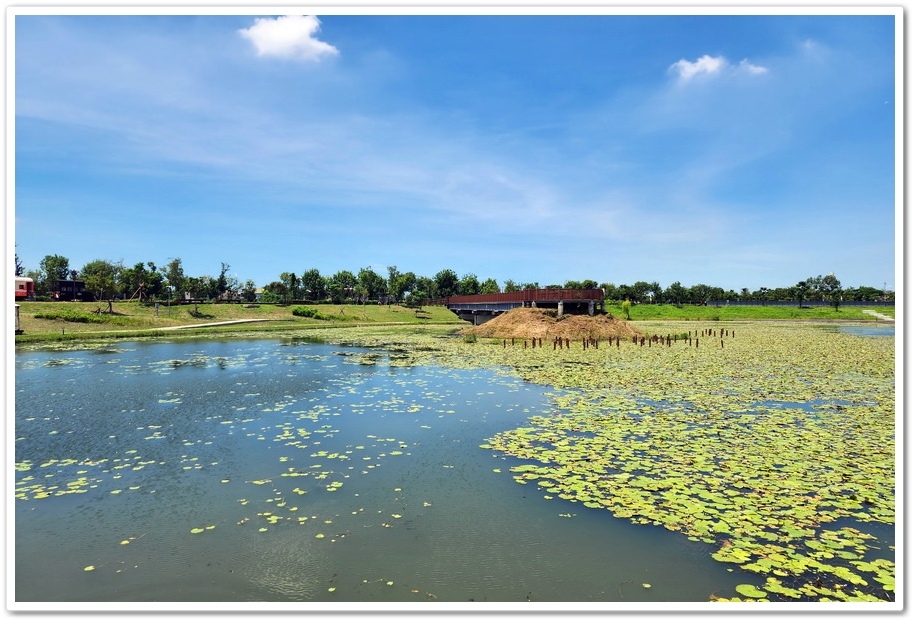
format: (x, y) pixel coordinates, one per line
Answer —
(531, 322)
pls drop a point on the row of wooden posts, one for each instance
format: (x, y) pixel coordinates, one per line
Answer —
(692, 340)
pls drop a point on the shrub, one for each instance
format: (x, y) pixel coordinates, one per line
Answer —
(69, 315)
(309, 312)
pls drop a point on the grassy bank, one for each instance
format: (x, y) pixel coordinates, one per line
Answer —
(55, 322)
(746, 312)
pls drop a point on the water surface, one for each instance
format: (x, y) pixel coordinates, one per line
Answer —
(239, 471)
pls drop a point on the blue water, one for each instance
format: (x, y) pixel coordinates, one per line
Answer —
(272, 471)
(869, 331)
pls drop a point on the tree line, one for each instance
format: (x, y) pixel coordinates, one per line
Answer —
(825, 289)
(106, 280)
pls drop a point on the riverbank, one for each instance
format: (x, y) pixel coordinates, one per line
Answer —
(55, 323)
(52, 323)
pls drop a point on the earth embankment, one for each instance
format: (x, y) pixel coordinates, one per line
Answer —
(533, 322)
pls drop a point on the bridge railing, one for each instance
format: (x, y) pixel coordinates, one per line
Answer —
(540, 295)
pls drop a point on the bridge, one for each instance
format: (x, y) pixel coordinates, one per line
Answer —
(478, 308)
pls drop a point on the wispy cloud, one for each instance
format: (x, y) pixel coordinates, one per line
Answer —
(706, 65)
(290, 36)
(748, 67)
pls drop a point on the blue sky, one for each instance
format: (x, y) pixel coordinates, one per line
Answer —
(733, 150)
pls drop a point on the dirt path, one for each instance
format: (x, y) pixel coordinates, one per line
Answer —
(211, 324)
(872, 312)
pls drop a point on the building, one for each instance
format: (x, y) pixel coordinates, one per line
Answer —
(70, 290)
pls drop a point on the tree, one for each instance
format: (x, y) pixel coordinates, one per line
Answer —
(469, 284)
(291, 281)
(832, 290)
(398, 283)
(416, 299)
(610, 291)
(249, 292)
(510, 286)
(274, 292)
(393, 282)
(222, 282)
(700, 293)
(408, 283)
(422, 287)
(175, 278)
(865, 293)
(342, 285)
(20, 269)
(489, 286)
(204, 287)
(140, 280)
(802, 292)
(314, 286)
(675, 294)
(640, 291)
(371, 284)
(815, 287)
(53, 268)
(446, 282)
(100, 277)
(586, 284)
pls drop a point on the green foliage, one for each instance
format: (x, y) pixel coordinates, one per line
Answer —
(677, 447)
(489, 286)
(310, 312)
(101, 277)
(741, 312)
(71, 315)
(314, 286)
(53, 268)
(175, 277)
(469, 284)
(446, 282)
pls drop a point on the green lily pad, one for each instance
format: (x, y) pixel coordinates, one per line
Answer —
(749, 590)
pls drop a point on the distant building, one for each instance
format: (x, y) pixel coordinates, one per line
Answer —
(25, 289)
(70, 290)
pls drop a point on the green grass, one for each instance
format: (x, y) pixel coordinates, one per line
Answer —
(68, 321)
(745, 312)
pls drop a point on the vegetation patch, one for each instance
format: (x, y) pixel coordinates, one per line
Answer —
(777, 450)
(771, 444)
(71, 315)
(310, 312)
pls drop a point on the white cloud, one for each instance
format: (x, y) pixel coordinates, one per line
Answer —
(751, 68)
(704, 65)
(710, 65)
(289, 36)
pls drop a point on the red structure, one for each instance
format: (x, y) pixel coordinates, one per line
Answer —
(25, 289)
(543, 295)
(481, 307)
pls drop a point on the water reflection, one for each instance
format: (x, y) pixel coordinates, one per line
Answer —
(869, 331)
(266, 471)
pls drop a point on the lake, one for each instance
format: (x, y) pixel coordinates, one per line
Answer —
(295, 471)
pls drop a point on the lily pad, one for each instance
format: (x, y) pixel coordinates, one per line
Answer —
(749, 590)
